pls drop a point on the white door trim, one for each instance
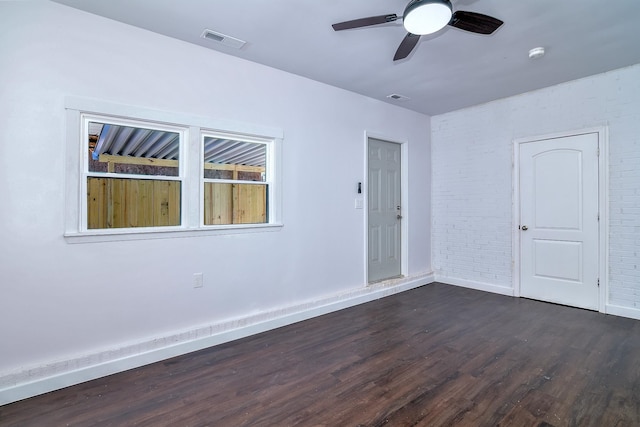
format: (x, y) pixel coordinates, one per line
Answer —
(404, 200)
(603, 208)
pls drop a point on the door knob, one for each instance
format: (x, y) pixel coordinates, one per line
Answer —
(399, 216)
(525, 228)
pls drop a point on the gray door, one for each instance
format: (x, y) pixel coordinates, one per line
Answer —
(384, 210)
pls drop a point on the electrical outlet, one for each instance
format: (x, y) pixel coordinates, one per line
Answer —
(198, 280)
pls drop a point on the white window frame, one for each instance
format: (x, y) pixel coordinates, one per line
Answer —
(183, 132)
(191, 164)
(270, 145)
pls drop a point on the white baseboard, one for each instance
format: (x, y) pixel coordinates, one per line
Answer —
(43, 379)
(616, 310)
(480, 286)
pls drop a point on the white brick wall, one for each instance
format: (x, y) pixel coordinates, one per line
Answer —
(472, 177)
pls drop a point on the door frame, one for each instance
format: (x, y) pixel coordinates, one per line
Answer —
(603, 207)
(404, 201)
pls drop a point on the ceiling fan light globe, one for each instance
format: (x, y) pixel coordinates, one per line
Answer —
(423, 17)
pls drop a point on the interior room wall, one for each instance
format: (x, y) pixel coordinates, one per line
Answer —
(472, 195)
(62, 301)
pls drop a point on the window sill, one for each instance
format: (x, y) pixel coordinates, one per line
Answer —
(113, 235)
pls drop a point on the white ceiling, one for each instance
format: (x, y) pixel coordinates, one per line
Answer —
(449, 70)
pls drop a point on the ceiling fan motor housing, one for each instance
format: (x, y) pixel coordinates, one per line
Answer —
(423, 17)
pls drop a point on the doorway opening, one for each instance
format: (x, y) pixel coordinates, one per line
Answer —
(385, 211)
(560, 218)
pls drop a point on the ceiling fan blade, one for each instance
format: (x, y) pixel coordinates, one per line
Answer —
(365, 22)
(475, 22)
(408, 43)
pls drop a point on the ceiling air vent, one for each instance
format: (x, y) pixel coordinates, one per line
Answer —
(223, 39)
(397, 97)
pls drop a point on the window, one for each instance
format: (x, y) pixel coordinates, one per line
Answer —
(235, 179)
(134, 173)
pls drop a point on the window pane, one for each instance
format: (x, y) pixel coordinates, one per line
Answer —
(132, 150)
(127, 203)
(226, 203)
(232, 159)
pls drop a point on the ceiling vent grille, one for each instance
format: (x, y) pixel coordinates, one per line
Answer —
(397, 97)
(223, 39)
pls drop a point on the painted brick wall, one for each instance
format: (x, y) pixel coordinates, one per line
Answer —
(472, 177)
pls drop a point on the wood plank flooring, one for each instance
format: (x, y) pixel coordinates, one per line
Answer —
(438, 355)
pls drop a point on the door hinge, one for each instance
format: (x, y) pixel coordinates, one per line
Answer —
(598, 282)
(598, 216)
(598, 151)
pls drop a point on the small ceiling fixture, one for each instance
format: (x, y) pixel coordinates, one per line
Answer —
(222, 39)
(536, 52)
(398, 97)
(423, 17)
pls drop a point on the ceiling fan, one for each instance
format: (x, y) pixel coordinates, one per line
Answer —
(423, 17)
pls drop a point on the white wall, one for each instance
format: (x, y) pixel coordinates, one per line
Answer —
(62, 301)
(472, 179)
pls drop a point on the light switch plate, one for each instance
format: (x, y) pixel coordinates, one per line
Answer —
(198, 280)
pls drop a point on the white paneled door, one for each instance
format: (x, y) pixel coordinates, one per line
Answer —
(384, 210)
(559, 220)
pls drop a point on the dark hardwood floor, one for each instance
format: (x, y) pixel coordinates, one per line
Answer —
(434, 356)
